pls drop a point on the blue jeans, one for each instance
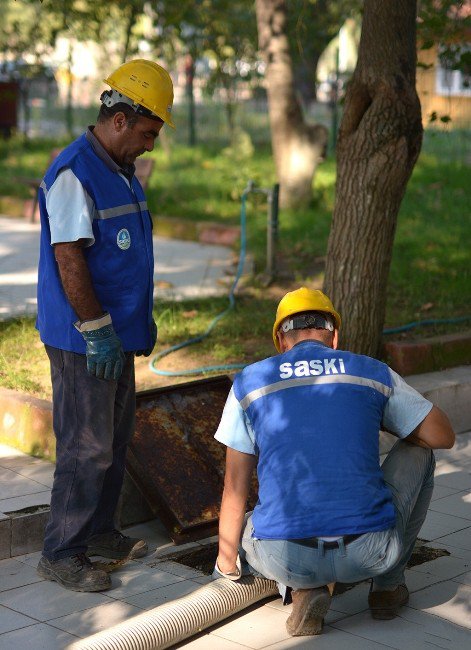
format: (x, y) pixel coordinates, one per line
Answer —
(408, 472)
(93, 422)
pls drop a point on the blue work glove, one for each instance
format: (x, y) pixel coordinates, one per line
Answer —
(105, 355)
(153, 334)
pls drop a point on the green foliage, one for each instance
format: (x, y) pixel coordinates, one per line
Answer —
(203, 184)
(312, 24)
(179, 321)
(446, 24)
(430, 274)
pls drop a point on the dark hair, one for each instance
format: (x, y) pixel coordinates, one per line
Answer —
(107, 113)
(326, 336)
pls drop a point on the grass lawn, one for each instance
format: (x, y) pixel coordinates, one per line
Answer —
(429, 277)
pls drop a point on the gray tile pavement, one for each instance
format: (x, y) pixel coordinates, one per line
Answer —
(183, 269)
(38, 614)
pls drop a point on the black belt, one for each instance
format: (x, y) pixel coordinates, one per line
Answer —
(313, 542)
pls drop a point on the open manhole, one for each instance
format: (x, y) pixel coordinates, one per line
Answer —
(204, 558)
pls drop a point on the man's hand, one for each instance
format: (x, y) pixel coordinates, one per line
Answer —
(233, 573)
(105, 356)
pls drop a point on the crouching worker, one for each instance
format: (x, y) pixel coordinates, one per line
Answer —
(308, 419)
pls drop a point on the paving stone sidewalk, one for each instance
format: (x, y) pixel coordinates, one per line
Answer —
(183, 269)
(40, 615)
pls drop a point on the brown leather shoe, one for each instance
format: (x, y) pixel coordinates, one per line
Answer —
(385, 605)
(309, 608)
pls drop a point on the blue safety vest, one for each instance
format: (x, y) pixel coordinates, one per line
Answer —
(316, 414)
(121, 260)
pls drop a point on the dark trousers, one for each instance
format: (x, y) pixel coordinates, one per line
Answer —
(93, 422)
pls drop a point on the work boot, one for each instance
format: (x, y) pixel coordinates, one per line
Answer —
(75, 572)
(309, 608)
(116, 546)
(385, 605)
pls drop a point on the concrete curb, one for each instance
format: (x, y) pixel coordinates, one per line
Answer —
(451, 391)
(26, 423)
(428, 354)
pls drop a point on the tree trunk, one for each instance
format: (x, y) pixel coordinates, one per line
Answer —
(297, 147)
(378, 144)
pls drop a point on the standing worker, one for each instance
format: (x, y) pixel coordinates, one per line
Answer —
(309, 420)
(95, 302)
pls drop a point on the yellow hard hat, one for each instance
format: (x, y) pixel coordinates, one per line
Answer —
(301, 300)
(147, 84)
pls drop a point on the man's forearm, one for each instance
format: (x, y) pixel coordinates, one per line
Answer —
(76, 280)
(231, 520)
(239, 469)
(413, 440)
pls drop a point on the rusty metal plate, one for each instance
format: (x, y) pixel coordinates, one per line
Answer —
(174, 458)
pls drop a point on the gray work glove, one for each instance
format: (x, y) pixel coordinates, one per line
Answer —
(217, 573)
(105, 355)
(153, 334)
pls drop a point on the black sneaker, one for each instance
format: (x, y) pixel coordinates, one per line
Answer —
(75, 572)
(116, 546)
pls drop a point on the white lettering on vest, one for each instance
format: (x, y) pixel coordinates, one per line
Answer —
(301, 369)
(313, 367)
(316, 367)
(329, 367)
(286, 370)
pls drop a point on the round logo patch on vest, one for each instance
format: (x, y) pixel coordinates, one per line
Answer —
(123, 239)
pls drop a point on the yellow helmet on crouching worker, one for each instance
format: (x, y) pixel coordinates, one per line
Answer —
(143, 85)
(301, 300)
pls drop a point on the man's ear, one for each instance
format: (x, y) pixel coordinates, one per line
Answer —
(335, 339)
(119, 121)
(281, 341)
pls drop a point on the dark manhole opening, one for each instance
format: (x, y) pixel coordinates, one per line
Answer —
(423, 553)
(204, 558)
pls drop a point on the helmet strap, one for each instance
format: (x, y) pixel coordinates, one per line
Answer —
(111, 97)
(307, 321)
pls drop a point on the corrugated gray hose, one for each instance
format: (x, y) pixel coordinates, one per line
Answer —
(173, 622)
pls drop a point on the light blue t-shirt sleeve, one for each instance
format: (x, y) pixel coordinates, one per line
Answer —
(406, 408)
(235, 430)
(71, 210)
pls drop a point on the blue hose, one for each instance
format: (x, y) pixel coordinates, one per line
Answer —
(420, 323)
(197, 339)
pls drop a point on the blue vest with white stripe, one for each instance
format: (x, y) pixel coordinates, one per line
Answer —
(121, 260)
(316, 414)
